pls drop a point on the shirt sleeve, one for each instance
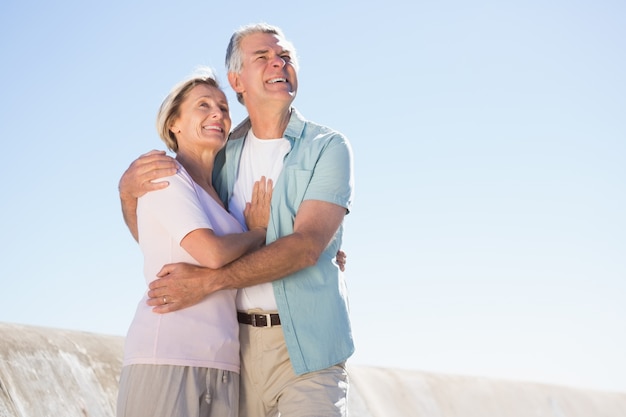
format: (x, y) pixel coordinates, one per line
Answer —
(176, 208)
(333, 176)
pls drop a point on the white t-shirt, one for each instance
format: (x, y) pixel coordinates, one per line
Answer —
(259, 157)
(203, 335)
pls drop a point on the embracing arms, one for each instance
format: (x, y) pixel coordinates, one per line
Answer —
(188, 284)
(207, 248)
(215, 251)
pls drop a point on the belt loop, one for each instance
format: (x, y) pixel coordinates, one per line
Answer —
(268, 319)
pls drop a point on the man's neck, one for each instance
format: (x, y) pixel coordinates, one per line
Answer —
(269, 124)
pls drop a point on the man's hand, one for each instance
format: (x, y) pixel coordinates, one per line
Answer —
(178, 286)
(139, 178)
(341, 260)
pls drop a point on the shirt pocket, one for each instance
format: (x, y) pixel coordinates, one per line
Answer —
(296, 185)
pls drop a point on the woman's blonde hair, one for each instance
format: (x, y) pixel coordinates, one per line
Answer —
(170, 108)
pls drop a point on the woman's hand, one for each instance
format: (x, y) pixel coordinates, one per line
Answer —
(257, 211)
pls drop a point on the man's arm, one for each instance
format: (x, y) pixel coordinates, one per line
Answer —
(315, 225)
(138, 179)
(129, 211)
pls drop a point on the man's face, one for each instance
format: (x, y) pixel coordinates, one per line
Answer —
(268, 74)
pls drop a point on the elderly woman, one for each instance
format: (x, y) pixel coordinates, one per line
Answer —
(186, 363)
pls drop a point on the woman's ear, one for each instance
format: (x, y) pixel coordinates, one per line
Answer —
(173, 128)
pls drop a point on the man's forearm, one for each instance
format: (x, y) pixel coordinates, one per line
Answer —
(277, 260)
(139, 179)
(185, 285)
(129, 211)
(290, 253)
(315, 225)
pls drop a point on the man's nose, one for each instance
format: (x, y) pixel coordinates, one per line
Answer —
(278, 61)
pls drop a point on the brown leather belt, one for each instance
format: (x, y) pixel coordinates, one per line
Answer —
(259, 320)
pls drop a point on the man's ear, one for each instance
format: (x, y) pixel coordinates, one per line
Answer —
(235, 84)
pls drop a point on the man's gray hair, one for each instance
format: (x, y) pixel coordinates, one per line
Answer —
(234, 60)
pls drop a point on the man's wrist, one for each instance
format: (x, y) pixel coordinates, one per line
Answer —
(129, 201)
(217, 279)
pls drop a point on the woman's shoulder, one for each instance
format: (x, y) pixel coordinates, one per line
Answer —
(177, 182)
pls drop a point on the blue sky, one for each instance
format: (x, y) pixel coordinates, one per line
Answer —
(488, 235)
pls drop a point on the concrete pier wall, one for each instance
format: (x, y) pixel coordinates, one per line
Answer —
(59, 373)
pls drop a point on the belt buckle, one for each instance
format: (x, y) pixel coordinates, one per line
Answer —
(268, 320)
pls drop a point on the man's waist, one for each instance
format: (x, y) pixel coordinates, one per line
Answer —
(258, 319)
(259, 296)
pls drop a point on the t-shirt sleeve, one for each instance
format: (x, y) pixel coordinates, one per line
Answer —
(176, 208)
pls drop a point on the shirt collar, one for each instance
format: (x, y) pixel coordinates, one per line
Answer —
(295, 127)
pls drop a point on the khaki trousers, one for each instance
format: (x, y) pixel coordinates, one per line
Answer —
(269, 387)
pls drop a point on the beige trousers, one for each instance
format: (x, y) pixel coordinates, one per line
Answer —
(269, 387)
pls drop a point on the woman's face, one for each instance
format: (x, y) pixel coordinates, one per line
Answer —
(204, 119)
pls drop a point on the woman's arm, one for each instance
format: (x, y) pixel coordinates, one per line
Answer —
(215, 251)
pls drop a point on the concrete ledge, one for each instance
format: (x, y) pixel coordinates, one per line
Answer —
(59, 373)
(378, 392)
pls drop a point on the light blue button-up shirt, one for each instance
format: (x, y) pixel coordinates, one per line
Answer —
(313, 302)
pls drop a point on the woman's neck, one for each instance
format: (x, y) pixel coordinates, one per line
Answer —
(199, 166)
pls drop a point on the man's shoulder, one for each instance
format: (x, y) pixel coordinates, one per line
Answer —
(240, 131)
(311, 130)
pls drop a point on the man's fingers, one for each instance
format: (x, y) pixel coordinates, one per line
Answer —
(154, 185)
(165, 270)
(155, 292)
(140, 177)
(153, 160)
(158, 168)
(154, 300)
(165, 304)
(166, 308)
(153, 152)
(269, 188)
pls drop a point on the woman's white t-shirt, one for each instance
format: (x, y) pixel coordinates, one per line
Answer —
(203, 335)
